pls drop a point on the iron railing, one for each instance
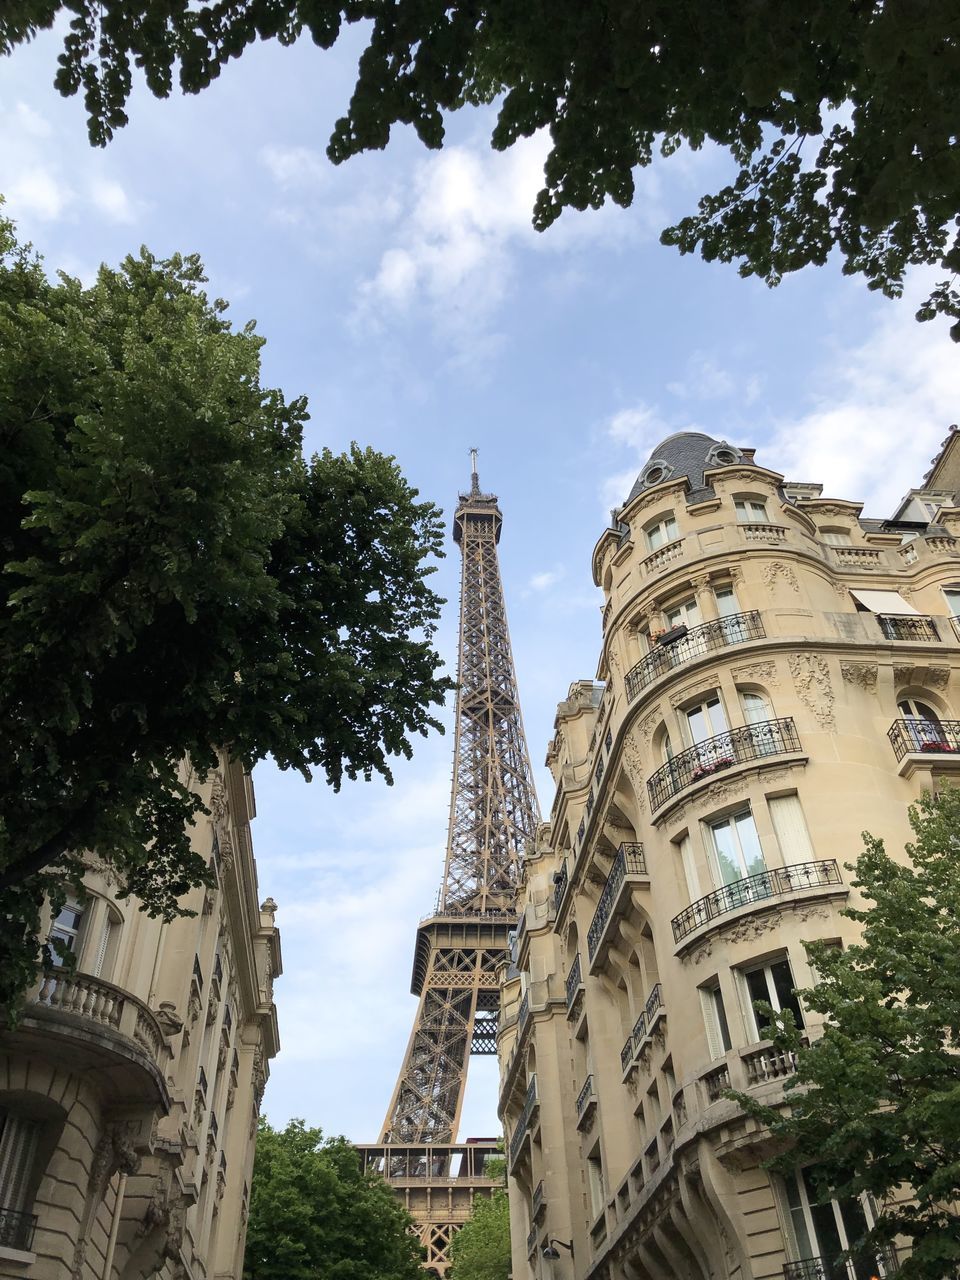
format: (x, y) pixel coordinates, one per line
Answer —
(628, 862)
(536, 1203)
(736, 746)
(523, 1014)
(881, 1263)
(654, 1003)
(757, 888)
(913, 733)
(574, 982)
(738, 628)
(523, 1123)
(639, 1033)
(16, 1229)
(585, 1097)
(626, 1053)
(897, 626)
(560, 883)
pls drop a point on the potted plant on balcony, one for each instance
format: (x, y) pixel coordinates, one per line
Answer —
(707, 767)
(938, 744)
(671, 636)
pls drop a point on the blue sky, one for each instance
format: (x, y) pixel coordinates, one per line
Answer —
(407, 296)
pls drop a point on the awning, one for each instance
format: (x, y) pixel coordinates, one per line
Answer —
(888, 602)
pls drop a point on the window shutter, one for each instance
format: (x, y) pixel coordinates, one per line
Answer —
(18, 1146)
(712, 1023)
(689, 869)
(790, 827)
(96, 967)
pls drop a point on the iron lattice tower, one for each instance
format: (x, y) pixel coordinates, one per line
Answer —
(493, 814)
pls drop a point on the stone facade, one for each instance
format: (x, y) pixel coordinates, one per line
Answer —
(130, 1088)
(777, 674)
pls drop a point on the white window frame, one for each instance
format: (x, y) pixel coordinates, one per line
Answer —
(19, 1137)
(70, 934)
(662, 531)
(715, 1020)
(812, 1246)
(731, 820)
(836, 537)
(751, 510)
(772, 997)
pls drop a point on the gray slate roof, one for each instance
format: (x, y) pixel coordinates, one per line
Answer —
(683, 454)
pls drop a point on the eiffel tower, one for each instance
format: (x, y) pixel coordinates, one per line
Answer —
(493, 814)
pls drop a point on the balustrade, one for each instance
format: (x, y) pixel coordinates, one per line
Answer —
(628, 862)
(768, 1063)
(716, 1082)
(736, 629)
(664, 555)
(744, 745)
(755, 889)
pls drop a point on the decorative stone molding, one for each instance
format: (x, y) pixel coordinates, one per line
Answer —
(776, 569)
(938, 677)
(811, 679)
(218, 796)
(863, 674)
(648, 725)
(761, 672)
(704, 685)
(902, 675)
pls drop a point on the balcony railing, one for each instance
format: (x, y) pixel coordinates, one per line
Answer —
(585, 1097)
(721, 634)
(654, 1006)
(897, 626)
(936, 737)
(626, 1053)
(639, 1033)
(16, 1229)
(736, 746)
(768, 1063)
(881, 1263)
(753, 889)
(561, 880)
(523, 1014)
(628, 862)
(523, 1123)
(716, 1082)
(574, 983)
(664, 555)
(537, 1202)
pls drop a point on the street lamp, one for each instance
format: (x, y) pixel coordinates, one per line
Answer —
(550, 1253)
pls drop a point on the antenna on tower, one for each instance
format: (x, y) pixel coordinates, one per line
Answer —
(474, 478)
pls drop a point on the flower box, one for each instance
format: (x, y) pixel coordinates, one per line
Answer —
(714, 766)
(673, 635)
(938, 746)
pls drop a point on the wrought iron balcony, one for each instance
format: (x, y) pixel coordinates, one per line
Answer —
(936, 737)
(755, 889)
(586, 1101)
(628, 862)
(16, 1229)
(880, 1263)
(736, 629)
(523, 1014)
(530, 1104)
(654, 1008)
(639, 1033)
(560, 882)
(537, 1203)
(574, 984)
(626, 1054)
(897, 626)
(713, 755)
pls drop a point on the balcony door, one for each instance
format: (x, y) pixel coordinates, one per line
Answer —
(685, 614)
(824, 1229)
(922, 724)
(732, 629)
(737, 853)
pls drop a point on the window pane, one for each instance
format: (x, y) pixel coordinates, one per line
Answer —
(727, 852)
(952, 597)
(721, 1013)
(727, 601)
(757, 987)
(751, 852)
(670, 528)
(783, 985)
(798, 1218)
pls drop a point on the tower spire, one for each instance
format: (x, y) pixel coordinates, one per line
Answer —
(474, 478)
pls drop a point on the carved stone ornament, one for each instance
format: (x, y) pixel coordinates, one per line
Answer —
(226, 850)
(633, 763)
(213, 1007)
(218, 796)
(902, 675)
(938, 677)
(171, 1024)
(863, 674)
(648, 724)
(811, 679)
(701, 582)
(194, 1007)
(705, 685)
(760, 672)
(269, 907)
(777, 569)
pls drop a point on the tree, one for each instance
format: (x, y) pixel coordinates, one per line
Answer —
(481, 1248)
(841, 118)
(175, 577)
(314, 1216)
(876, 1100)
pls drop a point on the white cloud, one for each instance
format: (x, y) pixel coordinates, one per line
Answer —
(38, 192)
(467, 216)
(880, 410)
(111, 200)
(543, 581)
(294, 166)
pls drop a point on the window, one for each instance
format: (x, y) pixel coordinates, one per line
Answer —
(689, 868)
(772, 983)
(756, 709)
(836, 537)
(66, 929)
(750, 511)
(825, 1228)
(790, 828)
(595, 1173)
(715, 1020)
(736, 847)
(706, 719)
(101, 960)
(18, 1149)
(952, 597)
(726, 601)
(921, 722)
(685, 614)
(664, 531)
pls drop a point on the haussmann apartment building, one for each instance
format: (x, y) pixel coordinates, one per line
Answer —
(777, 674)
(131, 1085)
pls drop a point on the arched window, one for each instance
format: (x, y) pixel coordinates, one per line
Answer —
(662, 531)
(922, 723)
(750, 510)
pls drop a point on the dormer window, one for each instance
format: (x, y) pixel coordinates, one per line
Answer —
(664, 531)
(655, 471)
(836, 537)
(722, 455)
(750, 511)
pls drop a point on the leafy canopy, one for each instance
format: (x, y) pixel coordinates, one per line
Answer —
(481, 1248)
(175, 577)
(876, 1101)
(314, 1216)
(842, 119)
